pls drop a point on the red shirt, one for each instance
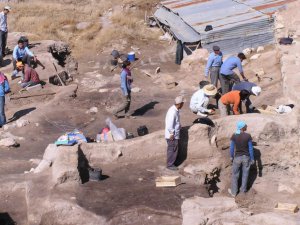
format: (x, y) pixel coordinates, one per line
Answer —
(30, 75)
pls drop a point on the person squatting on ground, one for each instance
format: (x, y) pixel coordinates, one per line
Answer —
(253, 90)
(126, 81)
(242, 156)
(200, 100)
(232, 98)
(172, 131)
(22, 53)
(4, 89)
(213, 65)
(227, 75)
(31, 77)
(3, 30)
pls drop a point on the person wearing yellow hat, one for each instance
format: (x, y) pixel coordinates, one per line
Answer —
(200, 100)
(30, 78)
(22, 53)
(3, 30)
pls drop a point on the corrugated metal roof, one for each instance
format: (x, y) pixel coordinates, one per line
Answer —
(181, 30)
(238, 20)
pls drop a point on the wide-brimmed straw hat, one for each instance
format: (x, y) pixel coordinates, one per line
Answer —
(210, 90)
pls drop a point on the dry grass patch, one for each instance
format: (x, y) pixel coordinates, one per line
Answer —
(57, 20)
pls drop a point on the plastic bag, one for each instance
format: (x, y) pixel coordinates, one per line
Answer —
(117, 133)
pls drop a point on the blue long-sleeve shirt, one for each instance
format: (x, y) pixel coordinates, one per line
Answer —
(213, 61)
(125, 82)
(230, 64)
(4, 88)
(244, 85)
(19, 53)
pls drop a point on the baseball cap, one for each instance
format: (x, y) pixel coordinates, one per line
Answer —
(19, 64)
(7, 8)
(179, 99)
(216, 48)
(256, 90)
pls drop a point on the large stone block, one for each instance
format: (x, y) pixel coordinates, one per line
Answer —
(65, 166)
(198, 210)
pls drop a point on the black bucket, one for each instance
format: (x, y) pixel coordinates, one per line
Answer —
(95, 174)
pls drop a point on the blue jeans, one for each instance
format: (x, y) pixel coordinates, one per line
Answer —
(2, 112)
(238, 162)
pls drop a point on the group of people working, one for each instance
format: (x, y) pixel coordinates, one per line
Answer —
(23, 60)
(234, 91)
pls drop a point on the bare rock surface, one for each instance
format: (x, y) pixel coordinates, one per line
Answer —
(65, 166)
(199, 211)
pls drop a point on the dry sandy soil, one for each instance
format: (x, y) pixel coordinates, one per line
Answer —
(128, 195)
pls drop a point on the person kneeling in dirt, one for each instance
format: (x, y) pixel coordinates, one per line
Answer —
(4, 89)
(243, 157)
(232, 98)
(172, 131)
(31, 77)
(126, 81)
(200, 100)
(22, 53)
(253, 90)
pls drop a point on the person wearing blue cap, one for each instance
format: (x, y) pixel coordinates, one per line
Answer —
(241, 155)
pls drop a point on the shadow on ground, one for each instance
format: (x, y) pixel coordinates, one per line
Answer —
(20, 114)
(183, 145)
(5, 219)
(141, 111)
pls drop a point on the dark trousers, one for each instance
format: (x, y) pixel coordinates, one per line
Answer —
(227, 82)
(3, 41)
(172, 152)
(214, 75)
(125, 106)
(2, 111)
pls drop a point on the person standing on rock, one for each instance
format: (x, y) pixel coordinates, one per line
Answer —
(172, 131)
(4, 89)
(242, 156)
(253, 90)
(213, 65)
(227, 75)
(126, 81)
(232, 98)
(3, 30)
(200, 100)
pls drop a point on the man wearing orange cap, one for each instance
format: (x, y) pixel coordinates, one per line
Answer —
(31, 77)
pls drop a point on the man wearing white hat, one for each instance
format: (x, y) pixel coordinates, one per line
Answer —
(172, 131)
(3, 30)
(200, 100)
(253, 90)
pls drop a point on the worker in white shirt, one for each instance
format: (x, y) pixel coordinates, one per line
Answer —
(200, 100)
(172, 131)
(3, 30)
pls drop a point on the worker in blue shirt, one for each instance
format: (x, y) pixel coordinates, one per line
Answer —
(126, 81)
(213, 65)
(228, 76)
(242, 156)
(252, 88)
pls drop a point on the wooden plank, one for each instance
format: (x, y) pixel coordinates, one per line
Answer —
(14, 97)
(168, 181)
(287, 207)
